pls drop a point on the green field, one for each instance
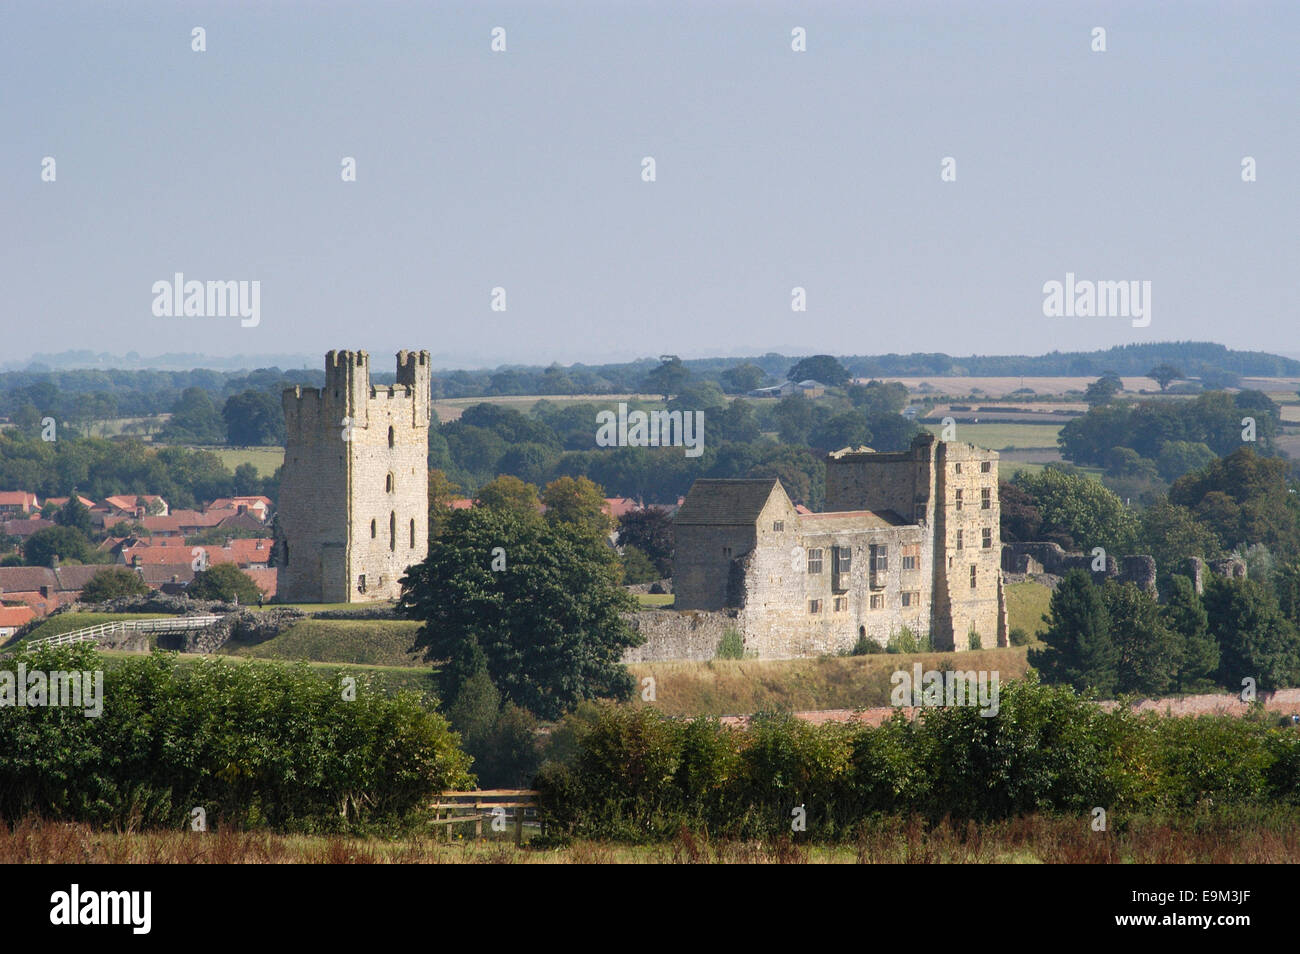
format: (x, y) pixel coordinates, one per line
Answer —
(265, 459)
(1002, 435)
(655, 599)
(365, 642)
(1026, 604)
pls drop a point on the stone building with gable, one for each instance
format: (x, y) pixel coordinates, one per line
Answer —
(354, 491)
(908, 539)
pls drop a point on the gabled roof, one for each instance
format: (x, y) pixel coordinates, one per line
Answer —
(25, 528)
(77, 576)
(26, 579)
(728, 502)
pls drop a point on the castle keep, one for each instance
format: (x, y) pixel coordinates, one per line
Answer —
(354, 491)
(908, 539)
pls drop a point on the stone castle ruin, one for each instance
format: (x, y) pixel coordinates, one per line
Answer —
(909, 539)
(354, 491)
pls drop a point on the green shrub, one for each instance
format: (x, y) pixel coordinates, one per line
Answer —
(253, 745)
(732, 644)
(974, 640)
(906, 641)
(865, 646)
(1019, 637)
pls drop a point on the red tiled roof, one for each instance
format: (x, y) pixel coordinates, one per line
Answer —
(18, 498)
(266, 580)
(617, 506)
(240, 552)
(15, 615)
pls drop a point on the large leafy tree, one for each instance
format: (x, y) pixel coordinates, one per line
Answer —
(225, 582)
(195, 419)
(1164, 374)
(1079, 651)
(668, 378)
(542, 601)
(1081, 508)
(75, 514)
(579, 502)
(253, 418)
(113, 583)
(1244, 498)
(651, 531)
(822, 368)
(67, 543)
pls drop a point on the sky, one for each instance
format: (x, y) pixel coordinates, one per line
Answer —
(523, 170)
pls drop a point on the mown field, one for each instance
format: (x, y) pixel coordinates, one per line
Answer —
(366, 642)
(1026, 605)
(265, 459)
(1004, 435)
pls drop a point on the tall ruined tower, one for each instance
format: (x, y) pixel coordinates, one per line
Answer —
(354, 493)
(951, 489)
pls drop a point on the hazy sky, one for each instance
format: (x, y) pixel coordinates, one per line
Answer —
(523, 170)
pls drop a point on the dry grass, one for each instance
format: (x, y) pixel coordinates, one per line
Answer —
(1245, 839)
(740, 686)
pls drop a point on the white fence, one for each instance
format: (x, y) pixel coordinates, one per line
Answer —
(91, 634)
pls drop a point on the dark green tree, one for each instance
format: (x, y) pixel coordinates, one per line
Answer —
(1147, 649)
(668, 378)
(1255, 640)
(253, 419)
(549, 618)
(225, 582)
(1198, 652)
(1164, 375)
(1079, 651)
(75, 514)
(112, 583)
(822, 368)
(67, 543)
(650, 530)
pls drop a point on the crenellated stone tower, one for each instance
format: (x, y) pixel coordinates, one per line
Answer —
(354, 492)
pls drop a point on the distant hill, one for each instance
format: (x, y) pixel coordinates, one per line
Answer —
(1125, 360)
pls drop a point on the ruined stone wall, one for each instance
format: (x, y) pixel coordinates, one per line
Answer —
(681, 635)
(781, 585)
(702, 563)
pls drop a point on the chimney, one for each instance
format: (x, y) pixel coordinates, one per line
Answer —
(54, 562)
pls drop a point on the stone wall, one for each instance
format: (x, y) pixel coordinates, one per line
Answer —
(680, 634)
(1139, 569)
